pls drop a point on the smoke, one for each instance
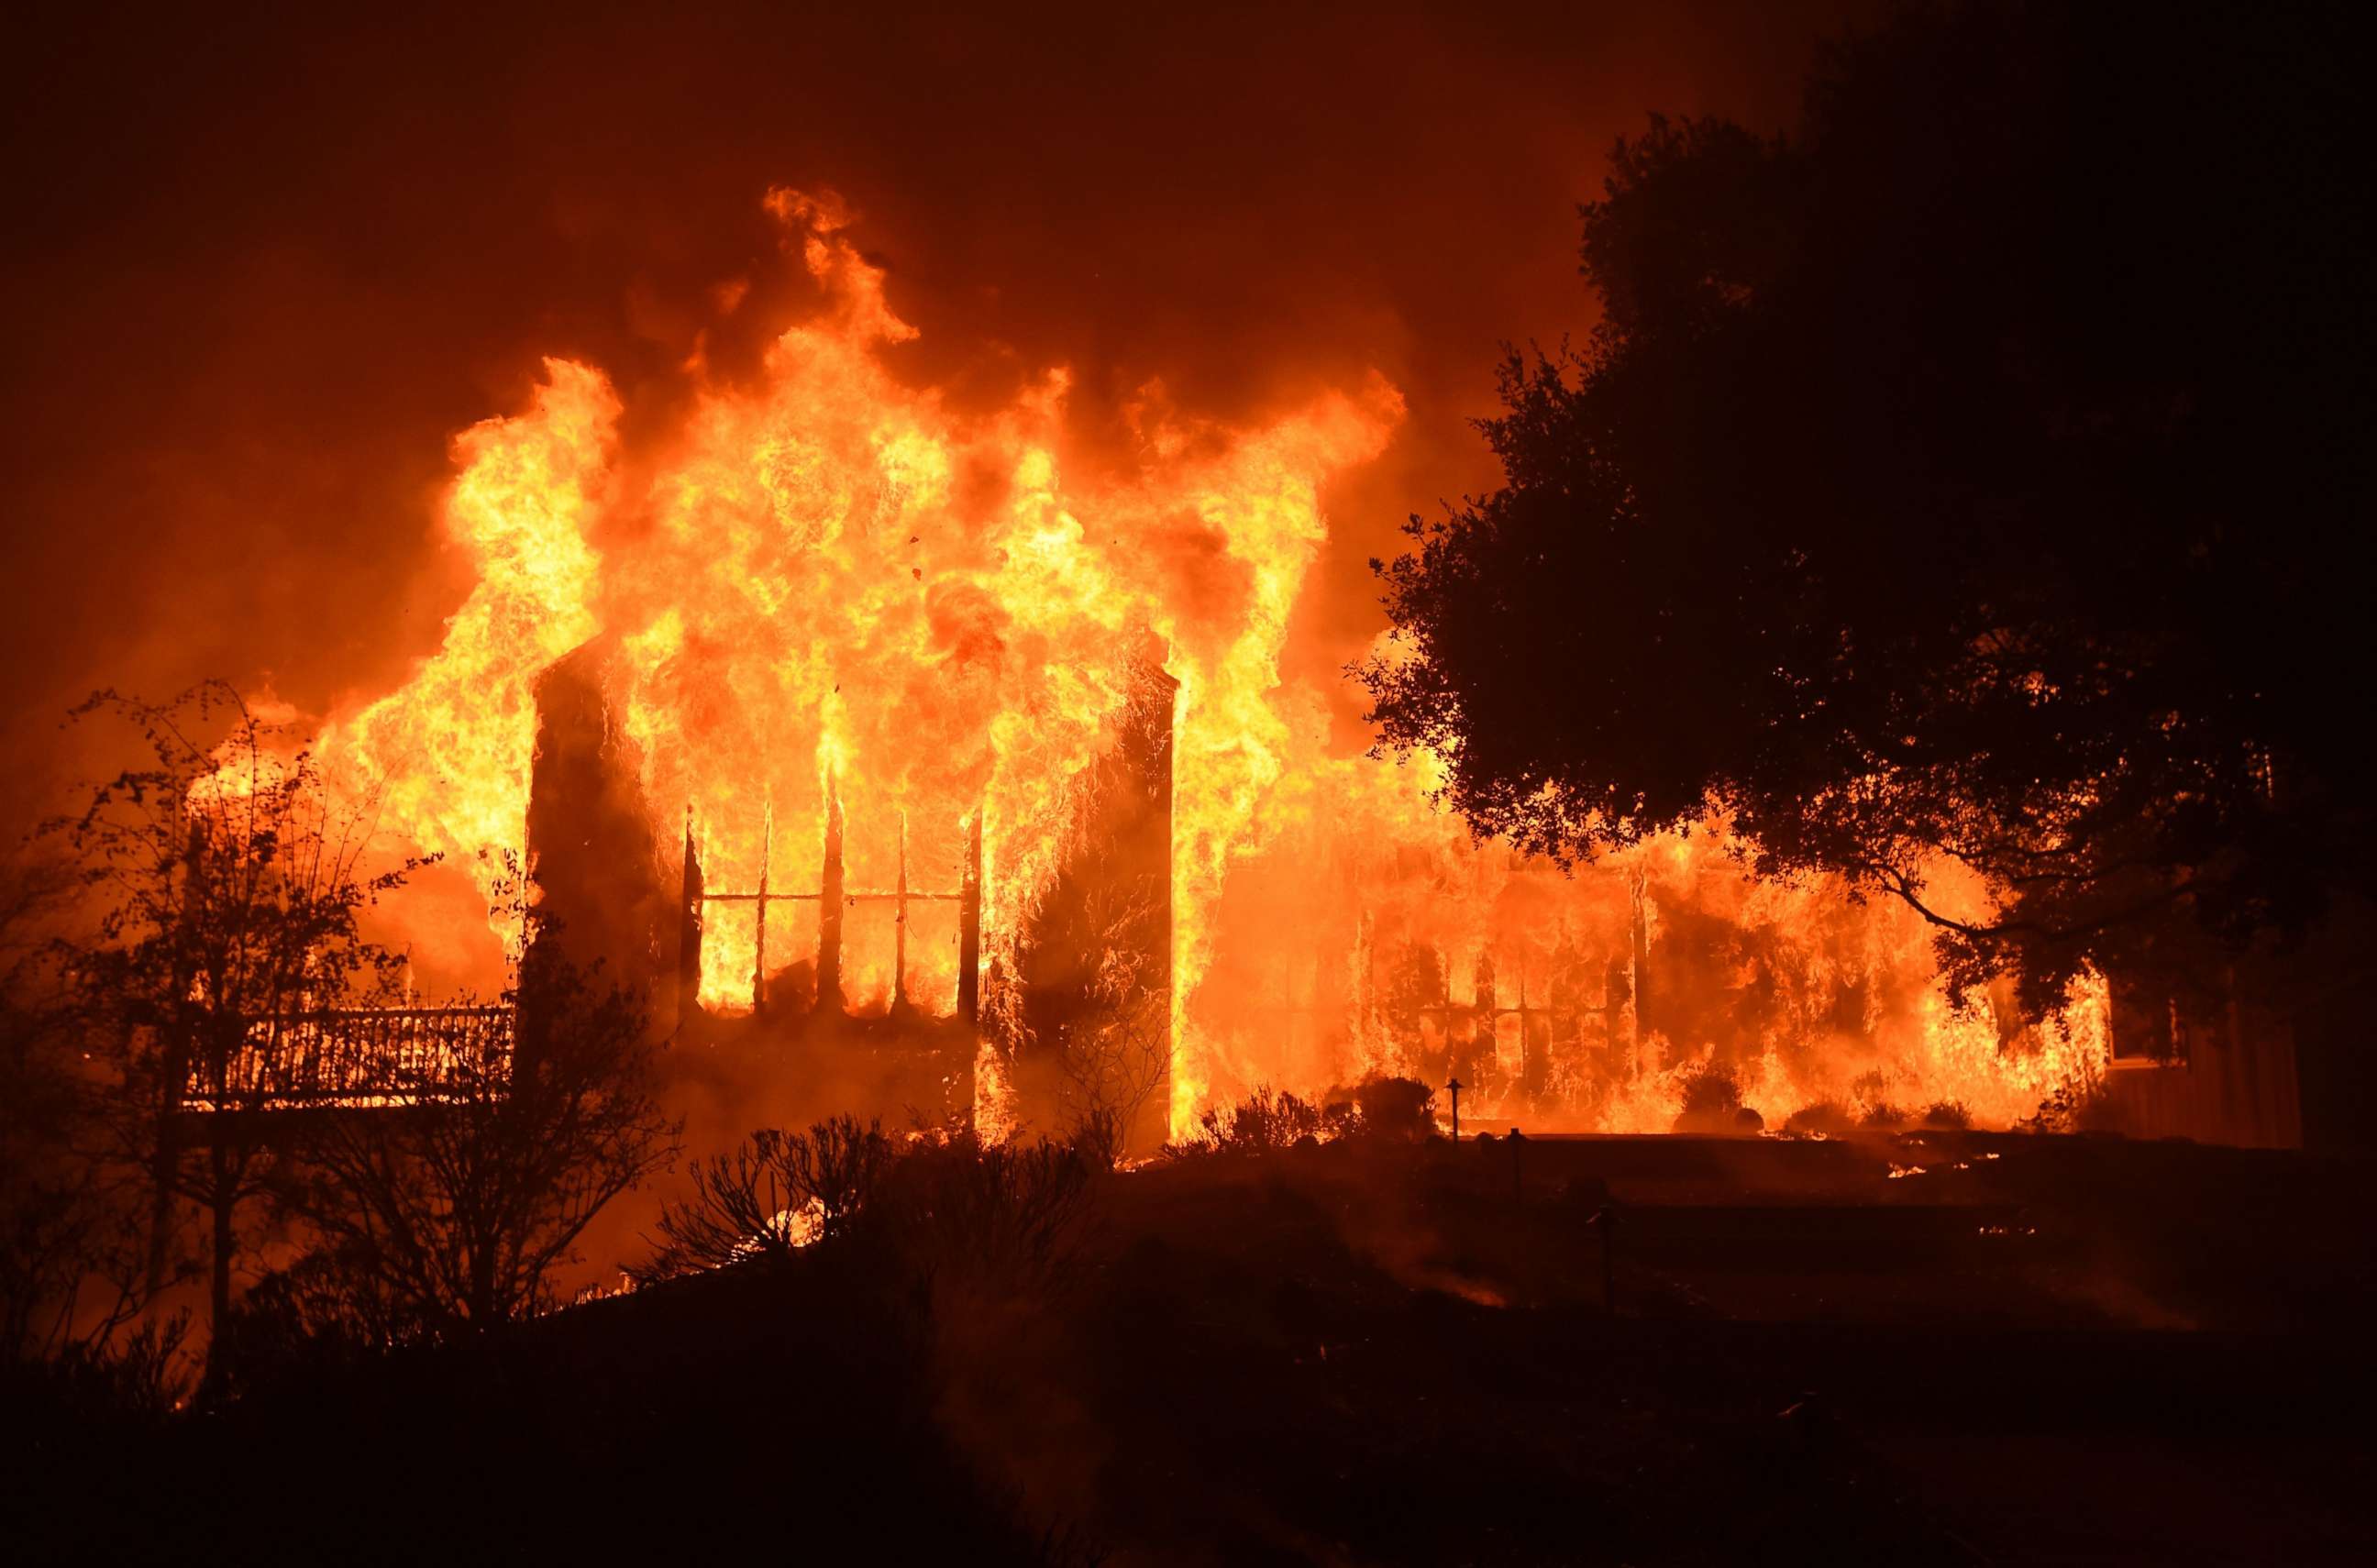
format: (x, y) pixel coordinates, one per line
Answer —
(260, 274)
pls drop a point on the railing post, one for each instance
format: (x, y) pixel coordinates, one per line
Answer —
(760, 918)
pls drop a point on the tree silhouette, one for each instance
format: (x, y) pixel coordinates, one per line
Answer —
(73, 1280)
(1968, 479)
(223, 890)
(450, 1211)
(1113, 1055)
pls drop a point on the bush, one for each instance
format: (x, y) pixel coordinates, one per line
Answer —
(1829, 1118)
(1948, 1116)
(1262, 1124)
(327, 1311)
(772, 1195)
(1005, 1212)
(1399, 1109)
(1712, 1100)
(134, 1378)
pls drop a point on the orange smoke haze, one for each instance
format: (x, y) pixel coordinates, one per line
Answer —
(260, 271)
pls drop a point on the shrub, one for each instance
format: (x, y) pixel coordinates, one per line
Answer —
(1948, 1115)
(1398, 1109)
(137, 1376)
(327, 1311)
(1402, 1109)
(1008, 1212)
(772, 1195)
(2070, 1108)
(1712, 1100)
(1827, 1116)
(1261, 1123)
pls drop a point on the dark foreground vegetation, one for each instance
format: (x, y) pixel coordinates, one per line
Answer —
(1371, 1350)
(1954, 486)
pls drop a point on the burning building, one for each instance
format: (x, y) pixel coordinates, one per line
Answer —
(841, 712)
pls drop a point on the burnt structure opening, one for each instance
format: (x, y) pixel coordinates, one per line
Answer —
(1072, 1002)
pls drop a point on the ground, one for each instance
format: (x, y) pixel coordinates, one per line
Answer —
(2015, 1349)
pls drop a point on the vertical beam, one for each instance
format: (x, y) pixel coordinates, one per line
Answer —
(970, 923)
(760, 916)
(828, 964)
(689, 930)
(1638, 975)
(899, 925)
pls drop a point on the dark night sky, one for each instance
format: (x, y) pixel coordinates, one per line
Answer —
(259, 269)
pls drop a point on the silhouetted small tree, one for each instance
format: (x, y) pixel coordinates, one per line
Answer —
(221, 889)
(73, 1282)
(456, 1206)
(772, 1195)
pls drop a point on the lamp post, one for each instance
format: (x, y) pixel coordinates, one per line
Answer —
(1454, 1084)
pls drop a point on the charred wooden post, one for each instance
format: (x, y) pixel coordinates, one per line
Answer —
(689, 930)
(900, 925)
(760, 913)
(970, 925)
(1638, 972)
(830, 901)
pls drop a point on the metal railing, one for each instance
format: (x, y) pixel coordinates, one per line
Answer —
(359, 1057)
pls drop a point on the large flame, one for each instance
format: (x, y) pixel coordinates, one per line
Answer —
(834, 582)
